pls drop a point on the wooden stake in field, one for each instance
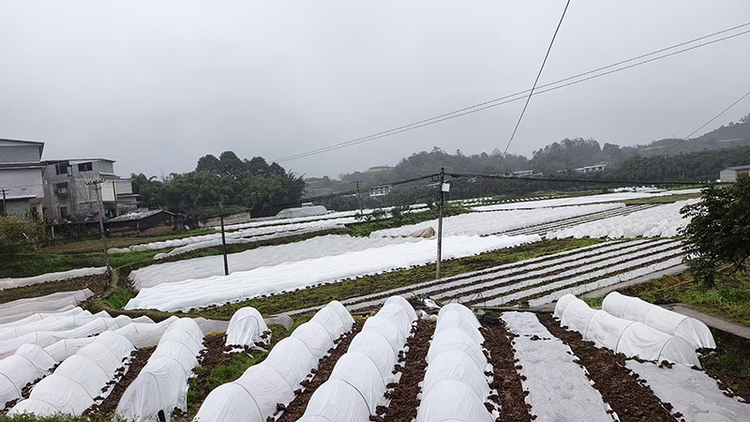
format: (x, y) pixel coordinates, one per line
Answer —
(97, 187)
(444, 187)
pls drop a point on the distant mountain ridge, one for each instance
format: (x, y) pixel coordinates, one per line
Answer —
(565, 155)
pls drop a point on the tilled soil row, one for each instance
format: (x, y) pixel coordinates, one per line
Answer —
(520, 265)
(296, 408)
(109, 405)
(591, 280)
(506, 379)
(210, 357)
(619, 386)
(574, 265)
(404, 402)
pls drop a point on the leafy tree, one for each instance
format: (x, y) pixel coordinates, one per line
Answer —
(719, 230)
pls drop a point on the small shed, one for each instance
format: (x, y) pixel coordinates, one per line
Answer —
(731, 174)
(142, 222)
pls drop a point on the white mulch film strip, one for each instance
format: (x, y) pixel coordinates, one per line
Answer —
(663, 220)
(10, 283)
(295, 275)
(250, 234)
(559, 389)
(692, 393)
(576, 268)
(330, 215)
(265, 256)
(496, 222)
(490, 277)
(562, 286)
(582, 200)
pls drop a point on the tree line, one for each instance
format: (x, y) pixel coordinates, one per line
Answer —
(251, 185)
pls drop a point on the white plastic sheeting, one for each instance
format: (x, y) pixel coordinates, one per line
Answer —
(162, 383)
(664, 220)
(627, 337)
(144, 334)
(246, 327)
(692, 393)
(589, 199)
(634, 309)
(454, 387)
(26, 365)
(295, 275)
(79, 379)
(10, 283)
(253, 397)
(56, 302)
(358, 381)
(264, 256)
(496, 222)
(551, 375)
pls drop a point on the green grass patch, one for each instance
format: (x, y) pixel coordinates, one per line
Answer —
(95, 245)
(662, 199)
(730, 298)
(119, 297)
(380, 282)
(730, 362)
(593, 302)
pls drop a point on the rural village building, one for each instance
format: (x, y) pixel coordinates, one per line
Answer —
(731, 174)
(21, 171)
(144, 222)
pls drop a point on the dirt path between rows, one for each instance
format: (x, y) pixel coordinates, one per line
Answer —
(506, 380)
(297, 407)
(404, 401)
(619, 386)
(109, 405)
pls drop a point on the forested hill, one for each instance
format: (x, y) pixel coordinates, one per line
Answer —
(732, 135)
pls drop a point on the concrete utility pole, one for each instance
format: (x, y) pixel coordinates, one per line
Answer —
(443, 189)
(98, 188)
(223, 238)
(5, 210)
(359, 198)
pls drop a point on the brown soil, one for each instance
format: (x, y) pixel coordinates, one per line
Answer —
(404, 401)
(482, 269)
(109, 405)
(620, 387)
(297, 407)
(506, 380)
(97, 283)
(211, 356)
(731, 377)
(624, 259)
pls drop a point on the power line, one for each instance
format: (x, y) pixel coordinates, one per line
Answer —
(510, 98)
(533, 87)
(706, 124)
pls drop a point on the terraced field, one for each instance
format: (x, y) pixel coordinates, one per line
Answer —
(541, 280)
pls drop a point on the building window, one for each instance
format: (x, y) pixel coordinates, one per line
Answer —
(63, 213)
(61, 189)
(62, 168)
(85, 167)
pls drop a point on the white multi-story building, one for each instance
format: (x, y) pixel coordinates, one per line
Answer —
(21, 172)
(72, 194)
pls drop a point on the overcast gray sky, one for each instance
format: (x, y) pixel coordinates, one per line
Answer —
(157, 84)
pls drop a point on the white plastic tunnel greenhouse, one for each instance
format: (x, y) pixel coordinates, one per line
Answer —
(29, 363)
(634, 309)
(633, 339)
(145, 334)
(246, 328)
(56, 302)
(80, 379)
(254, 396)
(162, 384)
(358, 381)
(455, 387)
